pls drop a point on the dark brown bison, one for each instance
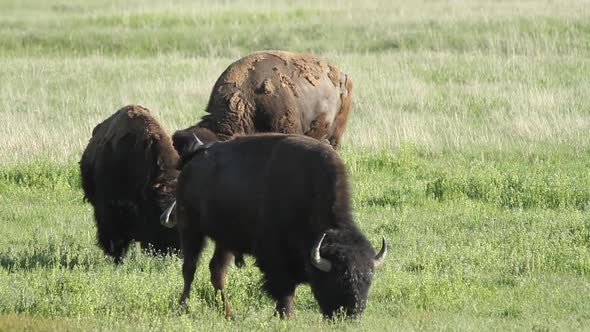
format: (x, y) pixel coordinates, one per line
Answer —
(128, 174)
(282, 92)
(283, 199)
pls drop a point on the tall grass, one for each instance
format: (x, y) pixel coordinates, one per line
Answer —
(437, 100)
(141, 28)
(444, 75)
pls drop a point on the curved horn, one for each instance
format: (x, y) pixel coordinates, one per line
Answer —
(197, 139)
(165, 217)
(380, 257)
(317, 260)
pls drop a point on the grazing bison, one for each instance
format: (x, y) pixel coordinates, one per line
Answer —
(283, 199)
(129, 174)
(282, 92)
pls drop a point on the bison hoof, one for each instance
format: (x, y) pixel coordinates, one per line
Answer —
(239, 261)
(290, 314)
(182, 308)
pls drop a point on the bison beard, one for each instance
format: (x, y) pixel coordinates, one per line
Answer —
(128, 173)
(280, 92)
(274, 197)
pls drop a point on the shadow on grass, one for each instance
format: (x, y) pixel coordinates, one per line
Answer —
(78, 257)
(29, 261)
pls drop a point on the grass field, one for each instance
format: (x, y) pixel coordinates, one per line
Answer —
(468, 147)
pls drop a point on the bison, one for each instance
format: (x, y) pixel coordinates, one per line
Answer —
(281, 92)
(128, 173)
(283, 199)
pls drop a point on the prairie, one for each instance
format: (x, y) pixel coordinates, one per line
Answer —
(468, 148)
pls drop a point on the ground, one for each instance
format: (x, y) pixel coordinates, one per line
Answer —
(467, 146)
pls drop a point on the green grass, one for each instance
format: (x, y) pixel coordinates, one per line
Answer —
(468, 148)
(461, 255)
(138, 28)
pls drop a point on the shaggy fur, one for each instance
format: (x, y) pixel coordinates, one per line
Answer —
(273, 196)
(129, 174)
(281, 92)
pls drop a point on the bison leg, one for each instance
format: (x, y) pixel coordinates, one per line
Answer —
(119, 248)
(191, 251)
(278, 279)
(113, 242)
(281, 288)
(239, 261)
(284, 307)
(192, 241)
(218, 268)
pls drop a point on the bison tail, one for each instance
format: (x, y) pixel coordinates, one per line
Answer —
(342, 116)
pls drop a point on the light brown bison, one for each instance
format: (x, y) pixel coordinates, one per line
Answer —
(128, 174)
(282, 92)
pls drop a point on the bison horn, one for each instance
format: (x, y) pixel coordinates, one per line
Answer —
(165, 217)
(380, 257)
(197, 139)
(317, 260)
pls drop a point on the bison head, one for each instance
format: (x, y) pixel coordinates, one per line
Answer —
(342, 265)
(191, 140)
(187, 142)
